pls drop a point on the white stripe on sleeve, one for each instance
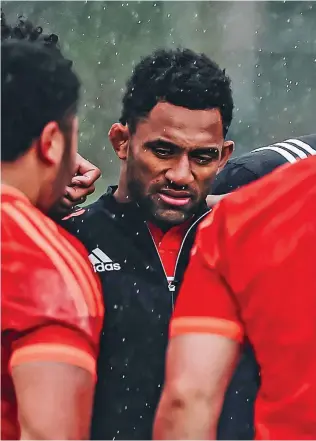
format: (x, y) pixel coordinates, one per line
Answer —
(303, 146)
(288, 156)
(293, 149)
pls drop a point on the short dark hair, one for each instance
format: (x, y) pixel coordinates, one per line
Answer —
(38, 85)
(181, 77)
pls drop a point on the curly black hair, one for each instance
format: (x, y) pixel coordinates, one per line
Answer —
(181, 77)
(38, 85)
(24, 29)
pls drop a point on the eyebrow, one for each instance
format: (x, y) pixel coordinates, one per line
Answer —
(161, 143)
(168, 144)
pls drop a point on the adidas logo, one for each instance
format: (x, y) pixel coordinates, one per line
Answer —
(101, 262)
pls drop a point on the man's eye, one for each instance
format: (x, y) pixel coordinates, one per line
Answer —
(162, 152)
(204, 159)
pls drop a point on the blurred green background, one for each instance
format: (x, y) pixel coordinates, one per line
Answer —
(268, 49)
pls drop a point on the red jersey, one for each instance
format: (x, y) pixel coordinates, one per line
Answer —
(51, 300)
(252, 272)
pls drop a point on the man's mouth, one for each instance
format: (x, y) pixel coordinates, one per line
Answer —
(176, 198)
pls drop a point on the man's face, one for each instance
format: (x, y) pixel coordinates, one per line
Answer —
(68, 162)
(172, 160)
(62, 151)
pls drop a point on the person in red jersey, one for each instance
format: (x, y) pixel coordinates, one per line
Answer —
(251, 274)
(52, 310)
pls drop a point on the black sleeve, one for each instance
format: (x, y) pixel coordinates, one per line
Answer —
(245, 169)
(310, 140)
(232, 177)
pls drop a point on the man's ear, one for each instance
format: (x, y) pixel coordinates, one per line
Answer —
(227, 150)
(51, 144)
(119, 136)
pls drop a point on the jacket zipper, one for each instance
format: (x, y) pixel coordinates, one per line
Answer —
(170, 280)
(184, 239)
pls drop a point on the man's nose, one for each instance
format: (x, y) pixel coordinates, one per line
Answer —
(180, 173)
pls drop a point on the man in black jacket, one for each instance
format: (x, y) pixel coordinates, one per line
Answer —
(171, 142)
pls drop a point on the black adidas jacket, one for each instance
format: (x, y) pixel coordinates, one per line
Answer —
(139, 303)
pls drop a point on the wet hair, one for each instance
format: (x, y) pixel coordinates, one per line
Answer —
(24, 29)
(181, 77)
(38, 85)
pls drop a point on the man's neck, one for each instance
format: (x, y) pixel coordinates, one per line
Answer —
(21, 181)
(121, 196)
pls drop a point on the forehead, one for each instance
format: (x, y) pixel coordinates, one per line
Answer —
(182, 126)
